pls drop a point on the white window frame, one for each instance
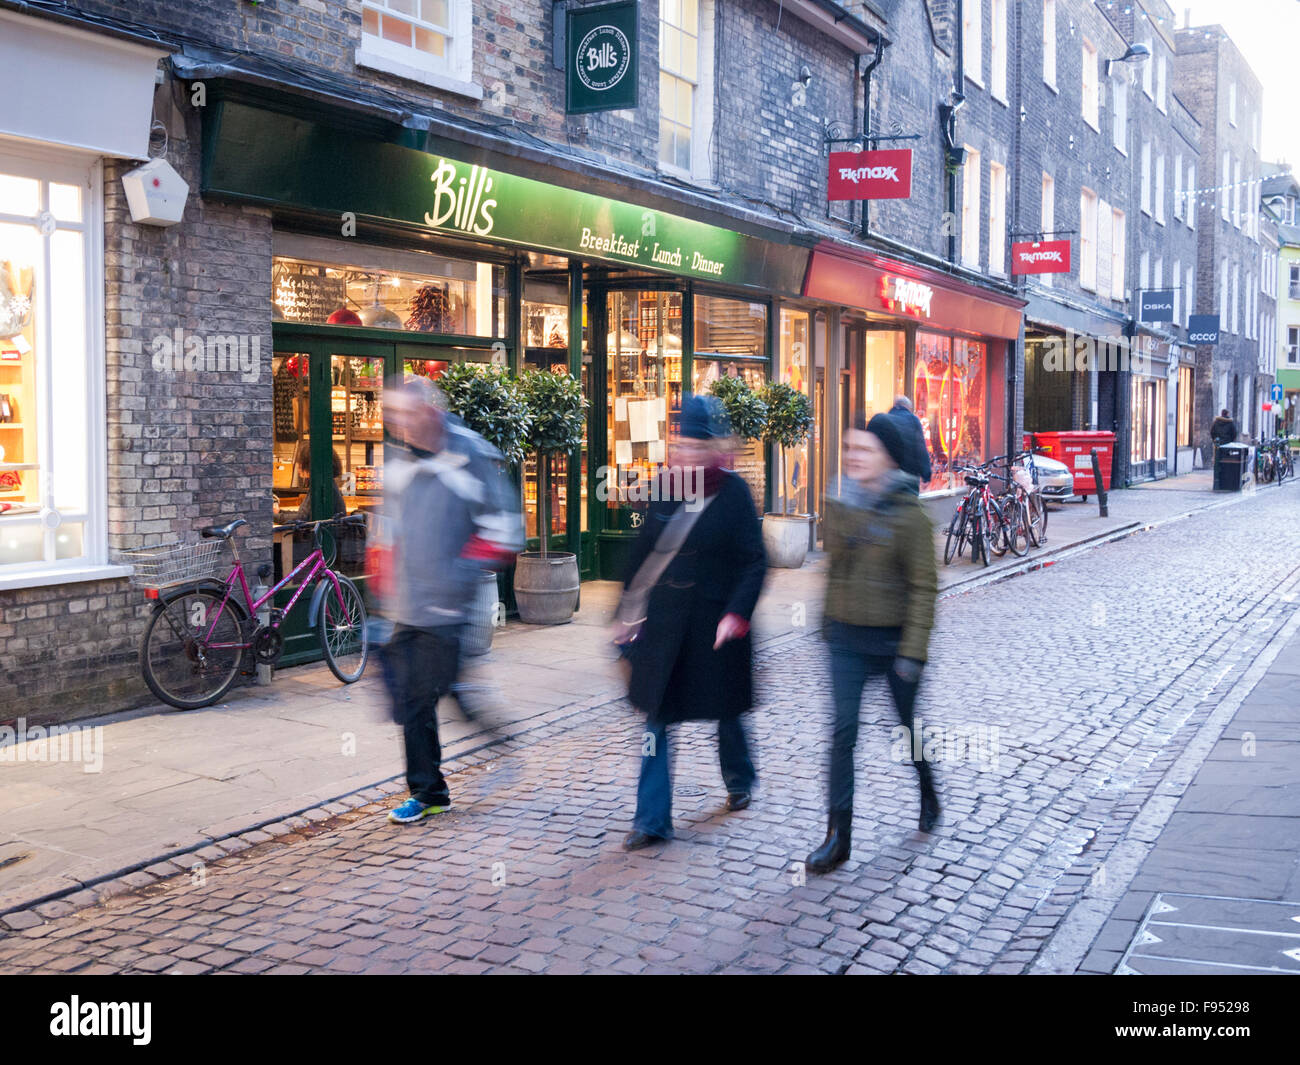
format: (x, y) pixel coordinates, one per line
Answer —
(1191, 296)
(1236, 194)
(1146, 178)
(1088, 239)
(453, 73)
(997, 218)
(52, 165)
(1144, 272)
(1224, 320)
(1160, 189)
(1178, 187)
(1147, 73)
(1293, 345)
(1232, 103)
(1049, 45)
(1177, 277)
(1190, 218)
(1158, 274)
(701, 168)
(1089, 85)
(1225, 197)
(1236, 296)
(998, 50)
(1161, 98)
(972, 41)
(1118, 254)
(970, 209)
(1119, 122)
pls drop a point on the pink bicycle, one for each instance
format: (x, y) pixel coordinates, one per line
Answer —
(200, 634)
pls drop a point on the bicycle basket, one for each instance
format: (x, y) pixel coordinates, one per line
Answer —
(174, 563)
(1023, 478)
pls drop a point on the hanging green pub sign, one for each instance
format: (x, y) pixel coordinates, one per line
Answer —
(600, 57)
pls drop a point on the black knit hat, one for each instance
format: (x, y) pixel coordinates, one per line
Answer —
(888, 432)
(703, 418)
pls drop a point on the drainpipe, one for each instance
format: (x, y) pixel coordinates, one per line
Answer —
(959, 93)
(866, 120)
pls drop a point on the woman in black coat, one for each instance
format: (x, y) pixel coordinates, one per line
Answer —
(683, 622)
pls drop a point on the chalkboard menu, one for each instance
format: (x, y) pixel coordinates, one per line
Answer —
(308, 297)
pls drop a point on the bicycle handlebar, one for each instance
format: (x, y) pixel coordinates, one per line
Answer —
(338, 519)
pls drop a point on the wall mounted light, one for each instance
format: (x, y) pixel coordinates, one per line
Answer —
(1136, 53)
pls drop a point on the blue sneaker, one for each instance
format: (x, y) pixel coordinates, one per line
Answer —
(415, 810)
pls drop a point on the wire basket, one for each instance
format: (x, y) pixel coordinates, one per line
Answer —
(174, 563)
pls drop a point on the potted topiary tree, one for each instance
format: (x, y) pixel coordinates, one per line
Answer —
(789, 421)
(546, 581)
(745, 409)
(490, 401)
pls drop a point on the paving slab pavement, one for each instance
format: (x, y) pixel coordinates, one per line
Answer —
(168, 783)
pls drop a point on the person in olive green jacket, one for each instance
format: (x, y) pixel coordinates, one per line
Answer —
(880, 597)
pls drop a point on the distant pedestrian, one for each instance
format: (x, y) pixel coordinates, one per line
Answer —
(880, 596)
(916, 459)
(693, 581)
(1223, 430)
(454, 514)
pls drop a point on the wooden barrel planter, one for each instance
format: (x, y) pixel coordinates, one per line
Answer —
(546, 589)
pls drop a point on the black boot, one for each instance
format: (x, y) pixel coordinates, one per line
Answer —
(930, 808)
(839, 840)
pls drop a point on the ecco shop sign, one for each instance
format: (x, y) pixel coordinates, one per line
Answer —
(1203, 329)
(600, 58)
(883, 175)
(907, 296)
(1040, 257)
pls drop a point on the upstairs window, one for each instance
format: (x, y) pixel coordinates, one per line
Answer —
(1089, 85)
(429, 41)
(685, 85)
(998, 49)
(972, 41)
(1049, 43)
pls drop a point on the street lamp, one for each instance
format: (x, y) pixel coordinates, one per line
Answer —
(1136, 53)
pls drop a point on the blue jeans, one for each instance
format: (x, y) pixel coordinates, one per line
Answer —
(850, 670)
(654, 790)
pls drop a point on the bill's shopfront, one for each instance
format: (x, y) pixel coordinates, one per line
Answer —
(907, 329)
(390, 258)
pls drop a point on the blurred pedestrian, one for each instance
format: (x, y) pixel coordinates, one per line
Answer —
(454, 513)
(880, 594)
(683, 622)
(916, 459)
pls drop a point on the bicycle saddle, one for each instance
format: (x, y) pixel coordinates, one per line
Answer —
(975, 481)
(222, 531)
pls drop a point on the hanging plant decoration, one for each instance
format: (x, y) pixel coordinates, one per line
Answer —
(430, 310)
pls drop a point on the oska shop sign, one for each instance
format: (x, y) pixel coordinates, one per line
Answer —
(883, 175)
(600, 57)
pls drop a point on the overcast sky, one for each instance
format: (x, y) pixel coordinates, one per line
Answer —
(1267, 33)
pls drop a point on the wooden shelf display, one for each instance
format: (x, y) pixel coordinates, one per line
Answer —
(20, 487)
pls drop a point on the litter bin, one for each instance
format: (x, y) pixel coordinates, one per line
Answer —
(1230, 465)
(1074, 448)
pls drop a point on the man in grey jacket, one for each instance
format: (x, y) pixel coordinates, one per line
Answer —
(455, 513)
(916, 462)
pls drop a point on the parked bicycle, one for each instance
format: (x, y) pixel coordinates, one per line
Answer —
(978, 520)
(201, 635)
(1273, 461)
(992, 523)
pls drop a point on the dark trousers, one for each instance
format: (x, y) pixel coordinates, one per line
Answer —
(654, 790)
(422, 665)
(850, 670)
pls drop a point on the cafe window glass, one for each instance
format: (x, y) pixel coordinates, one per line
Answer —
(795, 354)
(51, 376)
(380, 288)
(1184, 406)
(731, 341)
(644, 359)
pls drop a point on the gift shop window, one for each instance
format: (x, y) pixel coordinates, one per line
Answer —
(948, 392)
(731, 341)
(51, 370)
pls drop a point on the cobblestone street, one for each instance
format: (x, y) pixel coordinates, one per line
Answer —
(1075, 689)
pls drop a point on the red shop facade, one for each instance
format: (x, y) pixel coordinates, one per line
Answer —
(904, 329)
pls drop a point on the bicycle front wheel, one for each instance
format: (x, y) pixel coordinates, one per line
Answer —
(192, 649)
(997, 527)
(343, 634)
(1018, 527)
(956, 535)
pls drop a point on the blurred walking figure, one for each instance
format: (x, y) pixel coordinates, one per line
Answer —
(683, 622)
(916, 459)
(454, 513)
(880, 596)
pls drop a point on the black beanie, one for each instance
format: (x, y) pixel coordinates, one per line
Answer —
(887, 430)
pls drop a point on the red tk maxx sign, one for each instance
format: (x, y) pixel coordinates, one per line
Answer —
(881, 175)
(1040, 257)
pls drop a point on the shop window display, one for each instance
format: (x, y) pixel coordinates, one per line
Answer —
(451, 296)
(949, 397)
(796, 354)
(45, 387)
